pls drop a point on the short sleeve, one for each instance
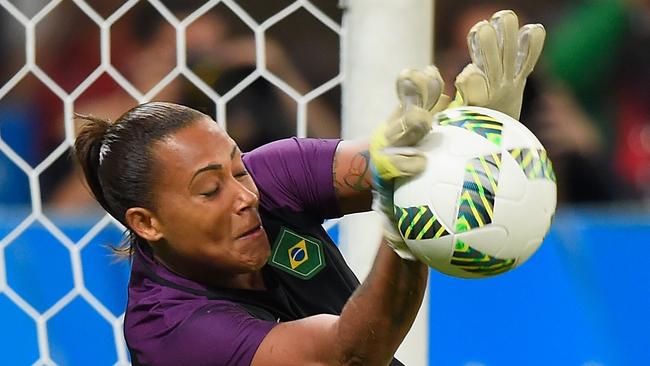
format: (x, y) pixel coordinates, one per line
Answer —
(297, 174)
(222, 334)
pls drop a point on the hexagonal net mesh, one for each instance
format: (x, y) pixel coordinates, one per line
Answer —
(264, 70)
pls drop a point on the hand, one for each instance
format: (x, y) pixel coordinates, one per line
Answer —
(392, 154)
(503, 55)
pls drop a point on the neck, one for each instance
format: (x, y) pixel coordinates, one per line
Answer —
(212, 277)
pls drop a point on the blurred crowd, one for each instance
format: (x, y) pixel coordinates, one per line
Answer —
(588, 101)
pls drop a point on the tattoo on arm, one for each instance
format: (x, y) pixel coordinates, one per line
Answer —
(355, 177)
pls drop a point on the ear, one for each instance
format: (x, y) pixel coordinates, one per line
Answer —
(144, 223)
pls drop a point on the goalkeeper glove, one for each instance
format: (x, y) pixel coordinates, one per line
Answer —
(392, 151)
(503, 55)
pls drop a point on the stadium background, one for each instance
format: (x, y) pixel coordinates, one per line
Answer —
(272, 69)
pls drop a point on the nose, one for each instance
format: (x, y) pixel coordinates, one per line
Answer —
(246, 197)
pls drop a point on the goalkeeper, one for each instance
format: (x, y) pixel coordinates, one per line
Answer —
(230, 263)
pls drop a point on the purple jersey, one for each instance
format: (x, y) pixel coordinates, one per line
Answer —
(169, 319)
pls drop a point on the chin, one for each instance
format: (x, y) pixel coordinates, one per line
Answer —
(265, 257)
(259, 254)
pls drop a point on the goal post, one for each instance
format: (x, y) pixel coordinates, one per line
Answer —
(380, 37)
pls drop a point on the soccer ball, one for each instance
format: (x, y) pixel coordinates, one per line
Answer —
(486, 198)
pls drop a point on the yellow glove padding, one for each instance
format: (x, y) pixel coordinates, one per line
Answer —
(503, 55)
(420, 94)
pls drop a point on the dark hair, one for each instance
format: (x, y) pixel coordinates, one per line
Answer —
(117, 161)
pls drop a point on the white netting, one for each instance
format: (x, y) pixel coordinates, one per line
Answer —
(29, 15)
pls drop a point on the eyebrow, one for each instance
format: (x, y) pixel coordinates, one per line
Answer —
(233, 152)
(213, 166)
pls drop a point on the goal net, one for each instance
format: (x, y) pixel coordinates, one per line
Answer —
(264, 71)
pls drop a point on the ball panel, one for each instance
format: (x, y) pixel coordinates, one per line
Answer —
(514, 133)
(441, 199)
(418, 223)
(435, 252)
(489, 239)
(512, 182)
(439, 186)
(474, 121)
(465, 261)
(478, 263)
(443, 202)
(476, 202)
(534, 163)
(458, 140)
(526, 218)
(528, 250)
(475, 253)
(519, 135)
(515, 136)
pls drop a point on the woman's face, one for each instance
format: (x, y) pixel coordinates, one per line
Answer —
(206, 203)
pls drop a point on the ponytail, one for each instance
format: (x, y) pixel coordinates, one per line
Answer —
(88, 153)
(87, 148)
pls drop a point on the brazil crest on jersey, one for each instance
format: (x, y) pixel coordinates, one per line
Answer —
(298, 255)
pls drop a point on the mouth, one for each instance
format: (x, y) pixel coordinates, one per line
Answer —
(252, 233)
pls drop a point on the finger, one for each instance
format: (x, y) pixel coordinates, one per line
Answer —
(407, 161)
(531, 43)
(420, 88)
(472, 85)
(435, 86)
(484, 50)
(442, 104)
(506, 26)
(414, 125)
(475, 52)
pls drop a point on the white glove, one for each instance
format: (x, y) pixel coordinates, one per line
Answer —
(503, 55)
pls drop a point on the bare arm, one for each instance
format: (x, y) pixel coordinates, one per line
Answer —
(371, 326)
(352, 176)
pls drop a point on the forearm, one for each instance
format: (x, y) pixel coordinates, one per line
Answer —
(352, 176)
(377, 317)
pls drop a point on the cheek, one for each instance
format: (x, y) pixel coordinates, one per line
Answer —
(192, 225)
(213, 226)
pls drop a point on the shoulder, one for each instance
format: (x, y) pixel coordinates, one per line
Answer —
(293, 147)
(218, 332)
(295, 173)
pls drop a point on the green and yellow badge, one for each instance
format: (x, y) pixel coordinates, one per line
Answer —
(298, 255)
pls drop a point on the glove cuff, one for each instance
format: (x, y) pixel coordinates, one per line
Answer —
(394, 240)
(401, 250)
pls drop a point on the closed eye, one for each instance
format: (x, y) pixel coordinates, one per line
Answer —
(211, 193)
(241, 174)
